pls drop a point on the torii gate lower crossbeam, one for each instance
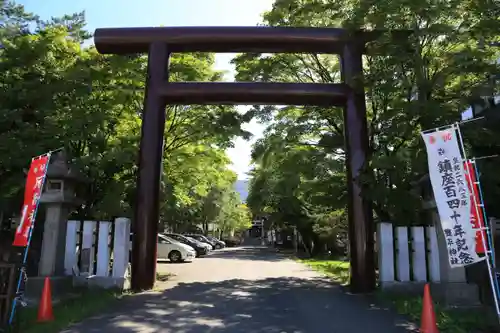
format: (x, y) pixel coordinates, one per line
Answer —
(162, 41)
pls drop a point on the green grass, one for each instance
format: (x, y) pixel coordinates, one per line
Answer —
(85, 304)
(163, 277)
(70, 311)
(335, 269)
(448, 320)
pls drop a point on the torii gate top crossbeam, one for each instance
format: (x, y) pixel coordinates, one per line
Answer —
(229, 39)
(238, 39)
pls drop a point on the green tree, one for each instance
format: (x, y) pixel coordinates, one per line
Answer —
(411, 85)
(56, 93)
(234, 217)
(194, 179)
(302, 185)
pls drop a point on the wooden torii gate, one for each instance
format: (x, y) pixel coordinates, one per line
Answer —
(160, 42)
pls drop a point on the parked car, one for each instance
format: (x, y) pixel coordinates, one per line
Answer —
(173, 250)
(232, 241)
(200, 248)
(201, 238)
(207, 246)
(218, 243)
(168, 248)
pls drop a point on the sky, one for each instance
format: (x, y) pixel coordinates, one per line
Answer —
(147, 13)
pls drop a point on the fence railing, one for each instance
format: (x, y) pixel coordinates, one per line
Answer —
(407, 254)
(97, 248)
(7, 290)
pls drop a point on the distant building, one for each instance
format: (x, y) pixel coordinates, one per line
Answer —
(469, 114)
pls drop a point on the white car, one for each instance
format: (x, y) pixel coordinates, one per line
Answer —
(168, 248)
(173, 250)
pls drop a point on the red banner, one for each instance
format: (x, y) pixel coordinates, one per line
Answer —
(32, 192)
(476, 212)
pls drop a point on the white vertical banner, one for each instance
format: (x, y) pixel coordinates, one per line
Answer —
(447, 175)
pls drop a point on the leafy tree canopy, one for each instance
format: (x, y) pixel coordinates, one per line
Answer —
(421, 82)
(56, 92)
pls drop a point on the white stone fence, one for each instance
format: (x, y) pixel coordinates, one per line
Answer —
(98, 249)
(407, 254)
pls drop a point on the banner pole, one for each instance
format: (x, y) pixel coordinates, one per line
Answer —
(457, 124)
(48, 153)
(22, 271)
(489, 233)
(440, 128)
(494, 284)
(483, 211)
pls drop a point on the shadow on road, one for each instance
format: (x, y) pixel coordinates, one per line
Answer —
(168, 262)
(273, 305)
(254, 253)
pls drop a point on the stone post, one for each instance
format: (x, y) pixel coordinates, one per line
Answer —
(447, 273)
(454, 287)
(54, 240)
(58, 198)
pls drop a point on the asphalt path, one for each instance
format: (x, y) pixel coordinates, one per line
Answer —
(245, 289)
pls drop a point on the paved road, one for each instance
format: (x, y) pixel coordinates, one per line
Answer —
(251, 290)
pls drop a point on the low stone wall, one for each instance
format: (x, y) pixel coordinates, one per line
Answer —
(101, 282)
(455, 294)
(106, 282)
(59, 287)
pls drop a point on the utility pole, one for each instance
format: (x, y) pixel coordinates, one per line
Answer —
(295, 240)
(262, 240)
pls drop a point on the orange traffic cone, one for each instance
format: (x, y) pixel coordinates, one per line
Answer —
(45, 308)
(428, 320)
